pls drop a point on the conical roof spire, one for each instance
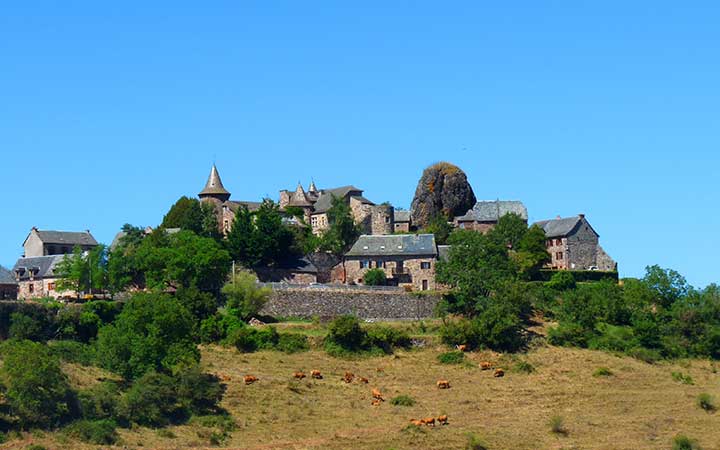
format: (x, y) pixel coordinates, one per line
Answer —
(214, 187)
(312, 188)
(299, 198)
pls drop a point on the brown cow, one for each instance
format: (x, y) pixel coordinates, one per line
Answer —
(299, 375)
(462, 347)
(443, 384)
(428, 421)
(223, 377)
(363, 380)
(377, 394)
(485, 365)
(443, 420)
(416, 422)
(348, 377)
(316, 374)
(499, 373)
(250, 379)
(375, 403)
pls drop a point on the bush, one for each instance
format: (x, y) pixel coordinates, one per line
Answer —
(557, 425)
(38, 392)
(706, 402)
(244, 297)
(347, 333)
(602, 372)
(682, 378)
(475, 443)
(561, 281)
(151, 401)
(387, 338)
(73, 351)
(455, 357)
(613, 338)
(99, 401)
(459, 332)
(568, 334)
(99, 432)
(499, 328)
(402, 400)
(524, 367)
(375, 277)
(24, 327)
(292, 343)
(682, 442)
(644, 354)
(198, 392)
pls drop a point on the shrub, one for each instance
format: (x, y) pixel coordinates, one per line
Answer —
(346, 332)
(35, 447)
(375, 277)
(557, 425)
(459, 332)
(682, 378)
(474, 442)
(152, 333)
(99, 432)
(38, 392)
(292, 343)
(499, 328)
(455, 357)
(386, 338)
(568, 334)
(602, 372)
(25, 327)
(73, 351)
(244, 297)
(644, 354)
(99, 401)
(561, 281)
(402, 400)
(706, 402)
(524, 367)
(198, 392)
(682, 442)
(151, 401)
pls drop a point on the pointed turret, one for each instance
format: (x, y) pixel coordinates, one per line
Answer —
(312, 189)
(299, 198)
(214, 188)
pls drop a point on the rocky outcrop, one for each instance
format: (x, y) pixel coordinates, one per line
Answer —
(443, 189)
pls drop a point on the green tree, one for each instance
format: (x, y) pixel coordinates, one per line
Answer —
(260, 238)
(342, 232)
(37, 391)
(153, 332)
(510, 230)
(375, 277)
(84, 271)
(244, 297)
(440, 227)
(531, 254)
(667, 285)
(192, 215)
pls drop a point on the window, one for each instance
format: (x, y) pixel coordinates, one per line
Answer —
(558, 241)
(314, 221)
(380, 264)
(425, 265)
(364, 264)
(559, 255)
(424, 285)
(387, 219)
(51, 250)
(31, 288)
(226, 225)
(51, 286)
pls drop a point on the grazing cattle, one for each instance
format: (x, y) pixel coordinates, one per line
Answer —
(377, 394)
(316, 374)
(485, 365)
(443, 384)
(375, 403)
(462, 347)
(416, 422)
(250, 379)
(348, 377)
(499, 373)
(442, 420)
(363, 380)
(299, 375)
(379, 369)
(222, 377)
(428, 421)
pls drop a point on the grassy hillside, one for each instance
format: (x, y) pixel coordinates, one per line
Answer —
(638, 406)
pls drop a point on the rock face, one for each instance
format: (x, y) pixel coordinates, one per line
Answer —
(442, 189)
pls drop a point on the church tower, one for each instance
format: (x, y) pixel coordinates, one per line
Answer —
(214, 190)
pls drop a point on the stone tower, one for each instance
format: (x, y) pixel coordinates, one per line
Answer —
(214, 190)
(382, 219)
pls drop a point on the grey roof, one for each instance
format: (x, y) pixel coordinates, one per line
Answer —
(493, 210)
(443, 252)
(43, 266)
(235, 205)
(214, 185)
(560, 227)
(298, 265)
(66, 237)
(6, 277)
(401, 215)
(324, 201)
(394, 245)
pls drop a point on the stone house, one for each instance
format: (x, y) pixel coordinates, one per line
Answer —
(485, 214)
(214, 193)
(407, 259)
(36, 278)
(8, 285)
(574, 244)
(44, 242)
(401, 221)
(372, 218)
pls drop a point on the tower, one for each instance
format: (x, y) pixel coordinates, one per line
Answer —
(214, 190)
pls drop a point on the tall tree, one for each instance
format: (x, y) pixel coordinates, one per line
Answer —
(84, 271)
(440, 227)
(342, 232)
(192, 215)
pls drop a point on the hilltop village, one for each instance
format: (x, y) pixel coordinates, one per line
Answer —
(400, 243)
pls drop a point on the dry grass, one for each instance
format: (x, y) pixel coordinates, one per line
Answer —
(641, 406)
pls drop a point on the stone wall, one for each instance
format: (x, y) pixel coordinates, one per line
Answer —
(411, 274)
(328, 303)
(382, 219)
(582, 247)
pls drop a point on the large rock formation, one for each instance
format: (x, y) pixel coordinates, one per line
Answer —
(443, 189)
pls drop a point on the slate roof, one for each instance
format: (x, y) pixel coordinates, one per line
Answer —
(394, 245)
(324, 201)
(562, 227)
(214, 185)
(235, 205)
(298, 265)
(43, 266)
(402, 216)
(6, 277)
(66, 237)
(493, 210)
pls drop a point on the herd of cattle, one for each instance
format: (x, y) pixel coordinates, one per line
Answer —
(377, 396)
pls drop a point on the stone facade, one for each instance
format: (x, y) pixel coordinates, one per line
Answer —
(328, 303)
(44, 242)
(484, 215)
(573, 244)
(36, 278)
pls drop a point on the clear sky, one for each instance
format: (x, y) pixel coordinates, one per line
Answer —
(109, 111)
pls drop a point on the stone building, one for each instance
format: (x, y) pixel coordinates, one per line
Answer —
(407, 259)
(8, 285)
(402, 221)
(485, 214)
(36, 278)
(292, 271)
(573, 244)
(44, 242)
(372, 218)
(214, 193)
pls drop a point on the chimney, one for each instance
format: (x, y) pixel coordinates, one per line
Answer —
(582, 216)
(34, 229)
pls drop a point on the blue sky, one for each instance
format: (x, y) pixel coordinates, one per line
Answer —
(109, 113)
